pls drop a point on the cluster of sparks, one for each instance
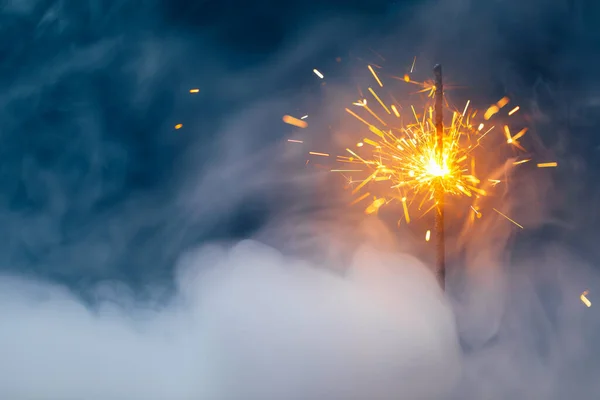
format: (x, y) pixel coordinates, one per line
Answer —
(401, 159)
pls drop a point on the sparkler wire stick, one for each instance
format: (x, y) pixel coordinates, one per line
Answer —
(439, 192)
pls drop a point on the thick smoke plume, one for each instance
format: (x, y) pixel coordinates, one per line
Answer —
(122, 273)
(252, 325)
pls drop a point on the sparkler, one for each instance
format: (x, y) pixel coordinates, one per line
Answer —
(424, 163)
(440, 248)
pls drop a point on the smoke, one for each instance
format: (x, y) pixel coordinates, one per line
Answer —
(123, 276)
(247, 323)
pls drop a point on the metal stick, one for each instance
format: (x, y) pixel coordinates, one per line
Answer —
(439, 193)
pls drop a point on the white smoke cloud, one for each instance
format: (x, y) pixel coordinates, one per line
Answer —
(246, 323)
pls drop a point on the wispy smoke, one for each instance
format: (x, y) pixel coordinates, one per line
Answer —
(109, 290)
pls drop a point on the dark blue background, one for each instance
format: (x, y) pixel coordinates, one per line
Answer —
(90, 163)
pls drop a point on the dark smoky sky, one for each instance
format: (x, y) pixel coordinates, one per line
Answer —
(102, 200)
(92, 172)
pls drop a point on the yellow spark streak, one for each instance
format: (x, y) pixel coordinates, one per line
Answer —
(374, 207)
(374, 115)
(295, 141)
(415, 114)
(357, 117)
(491, 111)
(371, 142)
(521, 133)
(379, 100)
(502, 102)
(413, 64)
(395, 110)
(485, 133)
(361, 198)
(509, 138)
(178, 126)
(375, 76)
(508, 218)
(521, 162)
(584, 298)
(514, 110)
(363, 183)
(548, 165)
(288, 119)
(466, 106)
(304, 117)
(318, 73)
(496, 107)
(314, 153)
(194, 90)
(427, 236)
(477, 213)
(513, 139)
(405, 208)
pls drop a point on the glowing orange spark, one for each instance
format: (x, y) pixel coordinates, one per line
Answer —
(427, 236)
(295, 141)
(548, 165)
(318, 73)
(584, 298)
(288, 119)
(178, 126)
(194, 90)
(314, 153)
